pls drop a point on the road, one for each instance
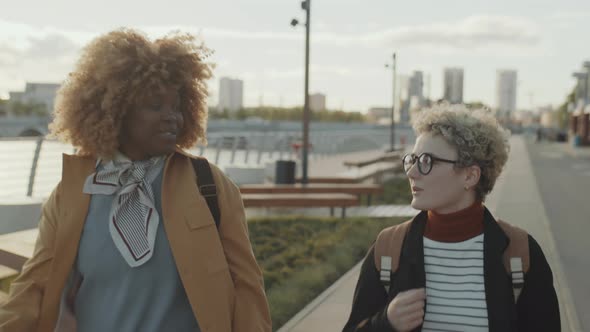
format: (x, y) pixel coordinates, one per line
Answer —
(564, 185)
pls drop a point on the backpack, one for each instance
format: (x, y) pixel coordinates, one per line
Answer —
(207, 186)
(389, 242)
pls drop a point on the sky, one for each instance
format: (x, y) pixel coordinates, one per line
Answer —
(351, 41)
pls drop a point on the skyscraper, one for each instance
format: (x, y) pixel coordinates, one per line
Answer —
(506, 91)
(416, 85)
(231, 94)
(317, 102)
(412, 96)
(453, 85)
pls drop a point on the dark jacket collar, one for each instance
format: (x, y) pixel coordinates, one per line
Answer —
(497, 282)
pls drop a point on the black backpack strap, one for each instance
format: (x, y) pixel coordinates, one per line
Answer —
(207, 186)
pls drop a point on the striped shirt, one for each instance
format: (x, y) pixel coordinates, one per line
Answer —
(455, 289)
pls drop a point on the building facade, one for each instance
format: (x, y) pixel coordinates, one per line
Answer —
(317, 102)
(453, 85)
(231, 94)
(506, 82)
(36, 93)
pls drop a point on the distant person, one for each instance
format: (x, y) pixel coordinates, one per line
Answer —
(131, 239)
(539, 134)
(454, 267)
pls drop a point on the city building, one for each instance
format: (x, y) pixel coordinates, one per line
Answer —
(231, 94)
(525, 118)
(411, 96)
(36, 93)
(317, 102)
(506, 82)
(416, 86)
(379, 115)
(453, 85)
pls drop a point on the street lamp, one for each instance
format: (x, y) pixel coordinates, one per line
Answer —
(305, 5)
(392, 129)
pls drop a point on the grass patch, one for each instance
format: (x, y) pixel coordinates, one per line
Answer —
(300, 257)
(395, 191)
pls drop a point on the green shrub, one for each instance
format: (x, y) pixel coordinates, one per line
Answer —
(301, 257)
(395, 191)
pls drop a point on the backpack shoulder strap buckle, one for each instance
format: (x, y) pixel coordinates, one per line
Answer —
(385, 271)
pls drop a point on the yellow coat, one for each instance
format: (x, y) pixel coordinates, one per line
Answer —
(217, 268)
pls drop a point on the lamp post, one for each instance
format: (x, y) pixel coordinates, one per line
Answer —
(392, 129)
(305, 5)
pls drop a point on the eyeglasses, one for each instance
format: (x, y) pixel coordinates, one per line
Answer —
(425, 162)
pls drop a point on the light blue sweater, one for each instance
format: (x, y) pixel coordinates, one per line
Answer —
(115, 297)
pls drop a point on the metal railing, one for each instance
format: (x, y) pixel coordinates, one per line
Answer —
(32, 166)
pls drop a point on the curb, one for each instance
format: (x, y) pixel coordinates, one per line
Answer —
(562, 286)
(289, 325)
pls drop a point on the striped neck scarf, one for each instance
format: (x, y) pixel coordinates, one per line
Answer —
(133, 218)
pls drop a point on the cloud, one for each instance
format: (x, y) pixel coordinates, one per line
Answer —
(20, 43)
(476, 31)
(467, 34)
(471, 32)
(569, 16)
(50, 46)
(46, 53)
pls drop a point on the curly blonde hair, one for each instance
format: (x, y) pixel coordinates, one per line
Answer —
(477, 135)
(115, 72)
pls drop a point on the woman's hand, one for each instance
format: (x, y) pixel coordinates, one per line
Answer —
(406, 311)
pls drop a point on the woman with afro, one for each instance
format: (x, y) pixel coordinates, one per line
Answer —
(127, 240)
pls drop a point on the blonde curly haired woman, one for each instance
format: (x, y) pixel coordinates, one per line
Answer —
(127, 240)
(446, 269)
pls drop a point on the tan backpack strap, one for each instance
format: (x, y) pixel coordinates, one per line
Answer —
(516, 256)
(388, 248)
(518, 247)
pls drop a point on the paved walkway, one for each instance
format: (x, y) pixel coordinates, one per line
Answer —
(515, 198)
(333, 165)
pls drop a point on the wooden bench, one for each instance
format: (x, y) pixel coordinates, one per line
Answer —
(314, 188)
(302, 200)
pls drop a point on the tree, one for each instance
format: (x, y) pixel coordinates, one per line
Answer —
(3, 107)
(562, 112)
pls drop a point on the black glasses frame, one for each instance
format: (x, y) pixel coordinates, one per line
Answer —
(410, 159)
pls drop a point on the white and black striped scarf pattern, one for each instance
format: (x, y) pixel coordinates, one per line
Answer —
(133, 218)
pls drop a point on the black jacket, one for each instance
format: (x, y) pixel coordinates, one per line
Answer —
(537, 308)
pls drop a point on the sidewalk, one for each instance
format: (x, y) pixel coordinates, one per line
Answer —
(515, 199)
(334, 165)
(577, 151)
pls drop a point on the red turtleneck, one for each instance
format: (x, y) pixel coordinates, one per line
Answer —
(457, 226)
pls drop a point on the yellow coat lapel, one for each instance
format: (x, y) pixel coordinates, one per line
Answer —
(196, 247)
(72, 214)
